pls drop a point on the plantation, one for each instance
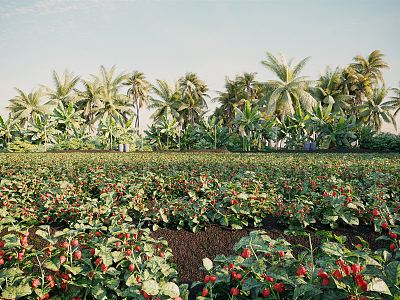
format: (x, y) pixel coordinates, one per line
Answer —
(199, 226)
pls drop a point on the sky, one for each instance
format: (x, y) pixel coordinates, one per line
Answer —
(166, 39)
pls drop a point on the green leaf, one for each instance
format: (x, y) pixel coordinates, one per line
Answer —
(99, 292)
(23, 290)
(51, 266)
(332, 249)
(207, 263)
(74, 270)
(306, 291)
(150, 287)
(379, 286)
(170, 289)
(393, 272)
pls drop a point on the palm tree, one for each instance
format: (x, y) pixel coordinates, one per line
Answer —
(233, 97)
(139, 89)
(194, 94)
(371, 66)
(88, 101)
(250, 86)
(113, 103)
(375, 110)
(25, 107)
(394, 103)
(64, 88)
(330, 91)
(290, 90)
(166, 101)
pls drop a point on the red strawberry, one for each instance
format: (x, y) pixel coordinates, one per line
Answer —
(20, 256)
(63, 259)
(392, 235)
(234, 291)
(281, 253)
(279, 287)
(1, 261)
(117, 244)
(137, 248)
(204, 292)
(35, 283)
(128, 252)
(385, 225)
(346, 270)
(325, 281)
(266, 293)
(301, 271)
(78, 254)
(356, 269)
(213, 278)
(337, 274)
(322, 274)
(375, 212)
(64, 245)
(246, 253)
(207, 279)
(74, 243)
(92, 251)
(131, 267)
(392, 247)
(104, 268)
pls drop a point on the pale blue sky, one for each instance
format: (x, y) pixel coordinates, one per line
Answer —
(165, 39)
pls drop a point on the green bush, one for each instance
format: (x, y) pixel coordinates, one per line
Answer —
(380, 141)
(21, 146)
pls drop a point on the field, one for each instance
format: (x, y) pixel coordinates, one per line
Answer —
(199, 226)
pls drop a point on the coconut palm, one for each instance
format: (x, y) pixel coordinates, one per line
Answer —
(394, 103)
(248, 122)
(139, 89)
(112, 102)
(25, 107)
(375, 110)
(290, 90)
(233, 97)
(194, 94)
(330, 91)
(249, 84)
(63, 88)
(371, 67)
(166, 101)
(88, 100)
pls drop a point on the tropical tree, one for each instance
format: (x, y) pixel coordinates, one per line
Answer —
(290, 90)
(375, 110)
(394, 101)
(248, 83)
(163, 134)
(108, 129)
(194, 94)
(371, 67)
(233, 97)
(166, 101)
(26, 107)
(42, 130)
(113, 103)
(214, 132)
(363, 76)
(330, 91)
(338, 134)
(248, 122)
(8, 130)
(68, 119)
(63, 88)
(88, 101)
(139, 89)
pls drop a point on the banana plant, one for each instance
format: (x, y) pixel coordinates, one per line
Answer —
(339, 134)
(42, 130)
(108, 129)
(163, 135)
(8, 130)
(297, 128)
(68, 119)
(248, 123)
(214, 132)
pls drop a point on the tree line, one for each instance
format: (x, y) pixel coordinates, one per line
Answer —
(334, 111)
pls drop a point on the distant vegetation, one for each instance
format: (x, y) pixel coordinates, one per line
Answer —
(340, 109)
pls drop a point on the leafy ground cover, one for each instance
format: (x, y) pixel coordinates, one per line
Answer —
(109, 216)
